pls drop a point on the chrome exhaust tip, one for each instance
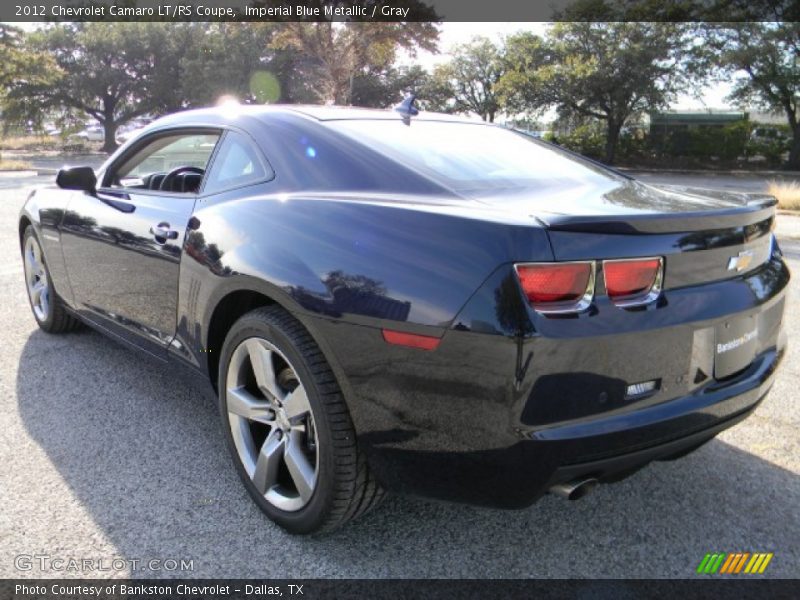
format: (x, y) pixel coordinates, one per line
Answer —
(574, 490)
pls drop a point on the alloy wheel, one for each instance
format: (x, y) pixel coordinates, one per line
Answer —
(272, 424)
(36, 279)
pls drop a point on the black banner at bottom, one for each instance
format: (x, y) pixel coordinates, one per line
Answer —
(395, 589)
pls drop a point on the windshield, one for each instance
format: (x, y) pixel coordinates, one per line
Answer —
(475, 159)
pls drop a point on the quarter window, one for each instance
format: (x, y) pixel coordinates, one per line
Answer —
(237, 163)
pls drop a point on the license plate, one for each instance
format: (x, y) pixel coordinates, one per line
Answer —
(735, 348)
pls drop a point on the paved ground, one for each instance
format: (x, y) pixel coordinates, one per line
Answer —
(742, 182)
(104, 454)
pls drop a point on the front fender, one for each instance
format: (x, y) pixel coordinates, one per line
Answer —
(45, 210)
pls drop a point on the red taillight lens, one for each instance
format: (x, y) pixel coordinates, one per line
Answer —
(625, 278)
(556, 283)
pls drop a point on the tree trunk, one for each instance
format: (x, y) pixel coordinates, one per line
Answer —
(612, 137)
(109, 123)
(794, 152)
(110, 127)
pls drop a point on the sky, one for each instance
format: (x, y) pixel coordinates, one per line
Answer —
(451, 34)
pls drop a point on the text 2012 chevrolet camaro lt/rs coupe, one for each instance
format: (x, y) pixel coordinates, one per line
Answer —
(415, 303)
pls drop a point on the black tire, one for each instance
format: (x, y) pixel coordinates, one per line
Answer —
(345, 488)
(57, 318)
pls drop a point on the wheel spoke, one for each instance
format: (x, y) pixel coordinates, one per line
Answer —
(263, 369)
(44, 300)
(269, 458)
(32, 262)
(296, 404)
(300, 469)
(244, 404)
(36, 291)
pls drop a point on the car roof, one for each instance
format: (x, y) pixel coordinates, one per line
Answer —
(268, 112)
(337, 113)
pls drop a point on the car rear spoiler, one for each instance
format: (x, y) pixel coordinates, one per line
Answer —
(755, 211)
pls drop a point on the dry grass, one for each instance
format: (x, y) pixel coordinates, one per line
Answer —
(14, 165)
(31, 143)
(787, 193)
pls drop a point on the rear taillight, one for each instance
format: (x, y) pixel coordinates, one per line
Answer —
(631, 282)
(557, 287)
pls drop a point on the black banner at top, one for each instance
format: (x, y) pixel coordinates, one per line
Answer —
(400, 10)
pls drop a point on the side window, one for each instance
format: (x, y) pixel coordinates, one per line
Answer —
(170, 163)
(237, 163)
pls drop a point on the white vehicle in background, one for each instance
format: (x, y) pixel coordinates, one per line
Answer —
(130, 131)
(93, 133)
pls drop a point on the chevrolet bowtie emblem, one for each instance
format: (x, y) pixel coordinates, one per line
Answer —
(741, 261)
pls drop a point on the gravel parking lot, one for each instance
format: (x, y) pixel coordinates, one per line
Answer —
(105, 454)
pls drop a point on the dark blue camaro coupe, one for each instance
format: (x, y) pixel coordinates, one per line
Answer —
(391, 301)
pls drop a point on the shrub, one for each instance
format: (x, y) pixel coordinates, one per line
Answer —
(787, 193)
(588, 139)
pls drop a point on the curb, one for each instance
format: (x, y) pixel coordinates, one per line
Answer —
(19, 174)
(729, 173)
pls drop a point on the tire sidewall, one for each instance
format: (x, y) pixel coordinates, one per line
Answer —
(313, 514)
(47, 323)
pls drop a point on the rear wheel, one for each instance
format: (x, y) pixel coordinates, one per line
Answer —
(48, 309)
(288, 428)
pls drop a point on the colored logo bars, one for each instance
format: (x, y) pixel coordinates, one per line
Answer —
(734, 562)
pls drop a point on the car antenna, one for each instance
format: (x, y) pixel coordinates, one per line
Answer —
(407, 109)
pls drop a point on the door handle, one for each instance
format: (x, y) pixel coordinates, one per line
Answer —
(161, 231)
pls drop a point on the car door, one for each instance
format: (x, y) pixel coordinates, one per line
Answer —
(122, 245)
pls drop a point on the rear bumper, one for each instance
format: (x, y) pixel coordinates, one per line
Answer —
(724, 407)
(509, 405)
(517, 475)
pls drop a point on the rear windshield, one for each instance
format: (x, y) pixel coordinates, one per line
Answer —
(475, 158)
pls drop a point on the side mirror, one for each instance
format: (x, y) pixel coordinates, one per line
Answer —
(77, 178)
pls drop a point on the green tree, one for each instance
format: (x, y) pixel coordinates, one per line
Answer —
(764, 61)
(467, 83)
(607, 71)
(386, 87)
(235, 59)
(112, 72)
(338, 53)
(19, 64)
(519, 89)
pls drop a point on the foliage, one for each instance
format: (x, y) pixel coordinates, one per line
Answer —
(768, 57)
(587, 139)
(337, 53)
(773, 145)
(37, 143)
(113, 72)
(468, 82)
(17, 64)
(14, 165)
(609, 71)
(787, 193)
(387, 87)
(598, 75)
(235, 59)
(726, 143)
(695, 11)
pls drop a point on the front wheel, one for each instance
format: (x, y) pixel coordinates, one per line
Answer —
(47, 306)
(288, 427)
